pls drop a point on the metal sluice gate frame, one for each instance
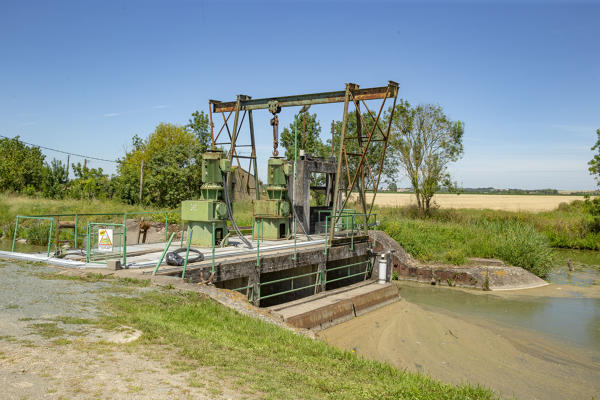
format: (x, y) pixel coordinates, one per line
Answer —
(355, 154)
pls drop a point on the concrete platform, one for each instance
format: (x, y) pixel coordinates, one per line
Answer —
(336, 306)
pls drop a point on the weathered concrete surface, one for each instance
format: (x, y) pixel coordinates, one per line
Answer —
(242, 266)
(489, 274)
(336, 306)
(375, 298)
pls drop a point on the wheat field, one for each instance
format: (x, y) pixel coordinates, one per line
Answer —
(493, 202)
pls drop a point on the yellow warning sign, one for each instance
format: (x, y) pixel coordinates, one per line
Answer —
(105, 239)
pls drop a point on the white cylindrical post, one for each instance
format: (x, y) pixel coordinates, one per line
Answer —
(382, 269)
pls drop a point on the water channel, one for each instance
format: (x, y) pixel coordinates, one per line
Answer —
(541, 343)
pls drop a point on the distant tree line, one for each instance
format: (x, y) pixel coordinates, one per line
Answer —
(171, 172)
(424, 141)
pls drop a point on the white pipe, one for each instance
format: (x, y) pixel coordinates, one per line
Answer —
(382, 269)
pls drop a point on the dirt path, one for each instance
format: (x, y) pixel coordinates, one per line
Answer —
(50, 350)
(456, 349)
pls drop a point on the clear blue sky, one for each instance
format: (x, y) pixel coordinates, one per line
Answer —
(86, 76)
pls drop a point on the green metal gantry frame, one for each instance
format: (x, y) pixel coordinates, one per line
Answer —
(353, 167)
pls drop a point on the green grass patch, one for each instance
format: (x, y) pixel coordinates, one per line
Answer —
(61, 342)
(75, 321)
(48, 330)
(266, 359)
(133, 282)
(87, 277)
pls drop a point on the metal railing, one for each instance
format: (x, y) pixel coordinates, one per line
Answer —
(348, 266)
(352, 225)
(187, 251)
(321, 280)
(77, 220)
(91, 255)
(39, 218)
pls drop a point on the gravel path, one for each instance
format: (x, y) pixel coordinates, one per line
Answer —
(48, 351)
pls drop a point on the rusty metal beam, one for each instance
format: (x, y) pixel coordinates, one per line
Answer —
(307, 99)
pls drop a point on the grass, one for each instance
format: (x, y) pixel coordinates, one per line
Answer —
(523, 239)
(265, 359)
(568, 226)
(48, 330)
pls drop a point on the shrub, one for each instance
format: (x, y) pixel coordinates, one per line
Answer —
(521, 245)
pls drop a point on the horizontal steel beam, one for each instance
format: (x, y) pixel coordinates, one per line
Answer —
(308, 99)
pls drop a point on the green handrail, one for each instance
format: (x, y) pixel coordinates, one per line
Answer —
(258, 237)
(124, 240)
(163, 253)
(36, 218)
(187, 252)
(75, 239)
(212, 267)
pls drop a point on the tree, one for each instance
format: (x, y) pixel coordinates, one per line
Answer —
(594, 163)
(424, 142)
(172, 158)
(21, 166)
(309, 140)
(199, 125)
(392, 187)
(89, 183)
(55, 183)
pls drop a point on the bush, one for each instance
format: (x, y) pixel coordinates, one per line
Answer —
(521, 245)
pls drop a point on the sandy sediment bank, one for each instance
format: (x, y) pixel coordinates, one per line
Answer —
(457, 349)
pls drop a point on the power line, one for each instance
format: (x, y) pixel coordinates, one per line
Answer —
(61, 151)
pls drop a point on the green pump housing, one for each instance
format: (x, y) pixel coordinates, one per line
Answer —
(273, 213)
(210, 212)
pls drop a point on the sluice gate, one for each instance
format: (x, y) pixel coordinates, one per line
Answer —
(305, 243)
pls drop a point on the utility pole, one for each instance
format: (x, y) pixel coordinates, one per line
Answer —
(68, 160)
(141, 179)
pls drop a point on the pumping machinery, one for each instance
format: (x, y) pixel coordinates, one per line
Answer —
(207, 218)
(272, 215)
(286, 199)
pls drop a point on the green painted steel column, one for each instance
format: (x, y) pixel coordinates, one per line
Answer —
(260, 228)
(187, 253)
(87, 244)
(294, 183)
(212, 267)
(326, 235)
(15, 235)
(375, 224)
(75, 239)
(163, 253)
(124, 238)
(352, 231)
(50, 236)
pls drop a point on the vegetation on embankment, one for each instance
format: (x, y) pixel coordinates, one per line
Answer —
(255, 357)
(523, 239)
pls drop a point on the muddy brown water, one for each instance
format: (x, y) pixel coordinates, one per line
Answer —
(541, 343)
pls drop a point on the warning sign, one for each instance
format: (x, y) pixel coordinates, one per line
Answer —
(105, 239)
